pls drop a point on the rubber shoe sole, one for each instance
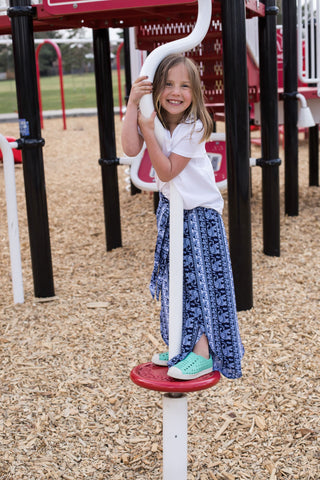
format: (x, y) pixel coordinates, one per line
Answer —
(161, 359)
(193, 366)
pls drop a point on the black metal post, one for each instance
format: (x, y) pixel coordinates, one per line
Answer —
(21, 14)
(108, 160)
(269, 129)
(289, 16)
(314, 156)
(237, 134)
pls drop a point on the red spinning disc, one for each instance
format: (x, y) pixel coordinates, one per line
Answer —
(153, 377)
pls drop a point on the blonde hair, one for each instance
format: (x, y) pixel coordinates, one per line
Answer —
(197, 109)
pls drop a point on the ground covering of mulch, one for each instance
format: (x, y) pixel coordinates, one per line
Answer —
(68, 409)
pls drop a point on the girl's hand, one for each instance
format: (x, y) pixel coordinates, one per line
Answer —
(131, 139)
(146, 124)
(141, 86)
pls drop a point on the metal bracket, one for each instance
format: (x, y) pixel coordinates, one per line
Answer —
(22, 11)
(272, 162)
(109, 161)
(30, 143)
(289, 95)
(272, 10)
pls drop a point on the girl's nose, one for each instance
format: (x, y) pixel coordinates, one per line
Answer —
(176, 89)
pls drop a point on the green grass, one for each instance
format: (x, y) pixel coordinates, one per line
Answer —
(79, 92)
(8, 101)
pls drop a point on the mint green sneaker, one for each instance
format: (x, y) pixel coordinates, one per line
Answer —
(160, 359)
(193, 366)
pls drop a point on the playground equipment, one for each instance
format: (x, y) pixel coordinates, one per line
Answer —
(293, 90)
(63, 108)
(12, 214)
(149, 376)
(309, 73)
(209, 56)
(308, 42)
(142, 173)
(305, 117)
(291, 86)
(290, 89)
(99, 15)
(228, 22)
(16, 153)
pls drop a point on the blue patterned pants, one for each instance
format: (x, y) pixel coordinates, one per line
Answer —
(209, 305)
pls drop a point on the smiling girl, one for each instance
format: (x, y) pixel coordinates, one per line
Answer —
(210, 333)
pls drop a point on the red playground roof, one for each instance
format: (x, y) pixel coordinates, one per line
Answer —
(63, 7)
(60, 14)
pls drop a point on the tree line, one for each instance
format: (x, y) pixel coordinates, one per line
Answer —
(76, 57)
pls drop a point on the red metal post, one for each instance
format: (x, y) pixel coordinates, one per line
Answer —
(38, 82)
(57, 49)
(119, 78)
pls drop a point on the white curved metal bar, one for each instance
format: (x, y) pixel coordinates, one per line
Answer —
(134, 174)
(176, 204)
(177, 46)
(12, 214)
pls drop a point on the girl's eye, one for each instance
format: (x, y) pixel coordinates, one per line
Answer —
(168, 84)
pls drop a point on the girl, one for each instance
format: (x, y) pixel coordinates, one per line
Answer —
(210, 333)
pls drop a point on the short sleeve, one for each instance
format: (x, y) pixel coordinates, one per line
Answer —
(187, 141)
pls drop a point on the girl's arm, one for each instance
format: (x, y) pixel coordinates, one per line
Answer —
(130, 138)
(166, 167)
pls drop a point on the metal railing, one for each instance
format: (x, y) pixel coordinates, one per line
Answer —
(308, 16)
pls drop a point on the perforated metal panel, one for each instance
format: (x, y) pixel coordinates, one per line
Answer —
(208, 55)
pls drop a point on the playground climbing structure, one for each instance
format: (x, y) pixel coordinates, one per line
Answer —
(222, 57)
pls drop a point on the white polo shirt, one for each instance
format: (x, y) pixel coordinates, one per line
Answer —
(196, 183)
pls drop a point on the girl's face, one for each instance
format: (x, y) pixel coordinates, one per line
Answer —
(177, 94)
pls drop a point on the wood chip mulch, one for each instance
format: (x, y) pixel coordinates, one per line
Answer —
(68, 409)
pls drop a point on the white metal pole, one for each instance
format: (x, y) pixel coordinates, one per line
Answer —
(306, 41)
(175, 271)
(308, 19)
(300, 35)
(175, 437)
(312, 45)
(12, 214)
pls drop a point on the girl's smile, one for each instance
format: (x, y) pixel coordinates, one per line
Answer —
(177, 95)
